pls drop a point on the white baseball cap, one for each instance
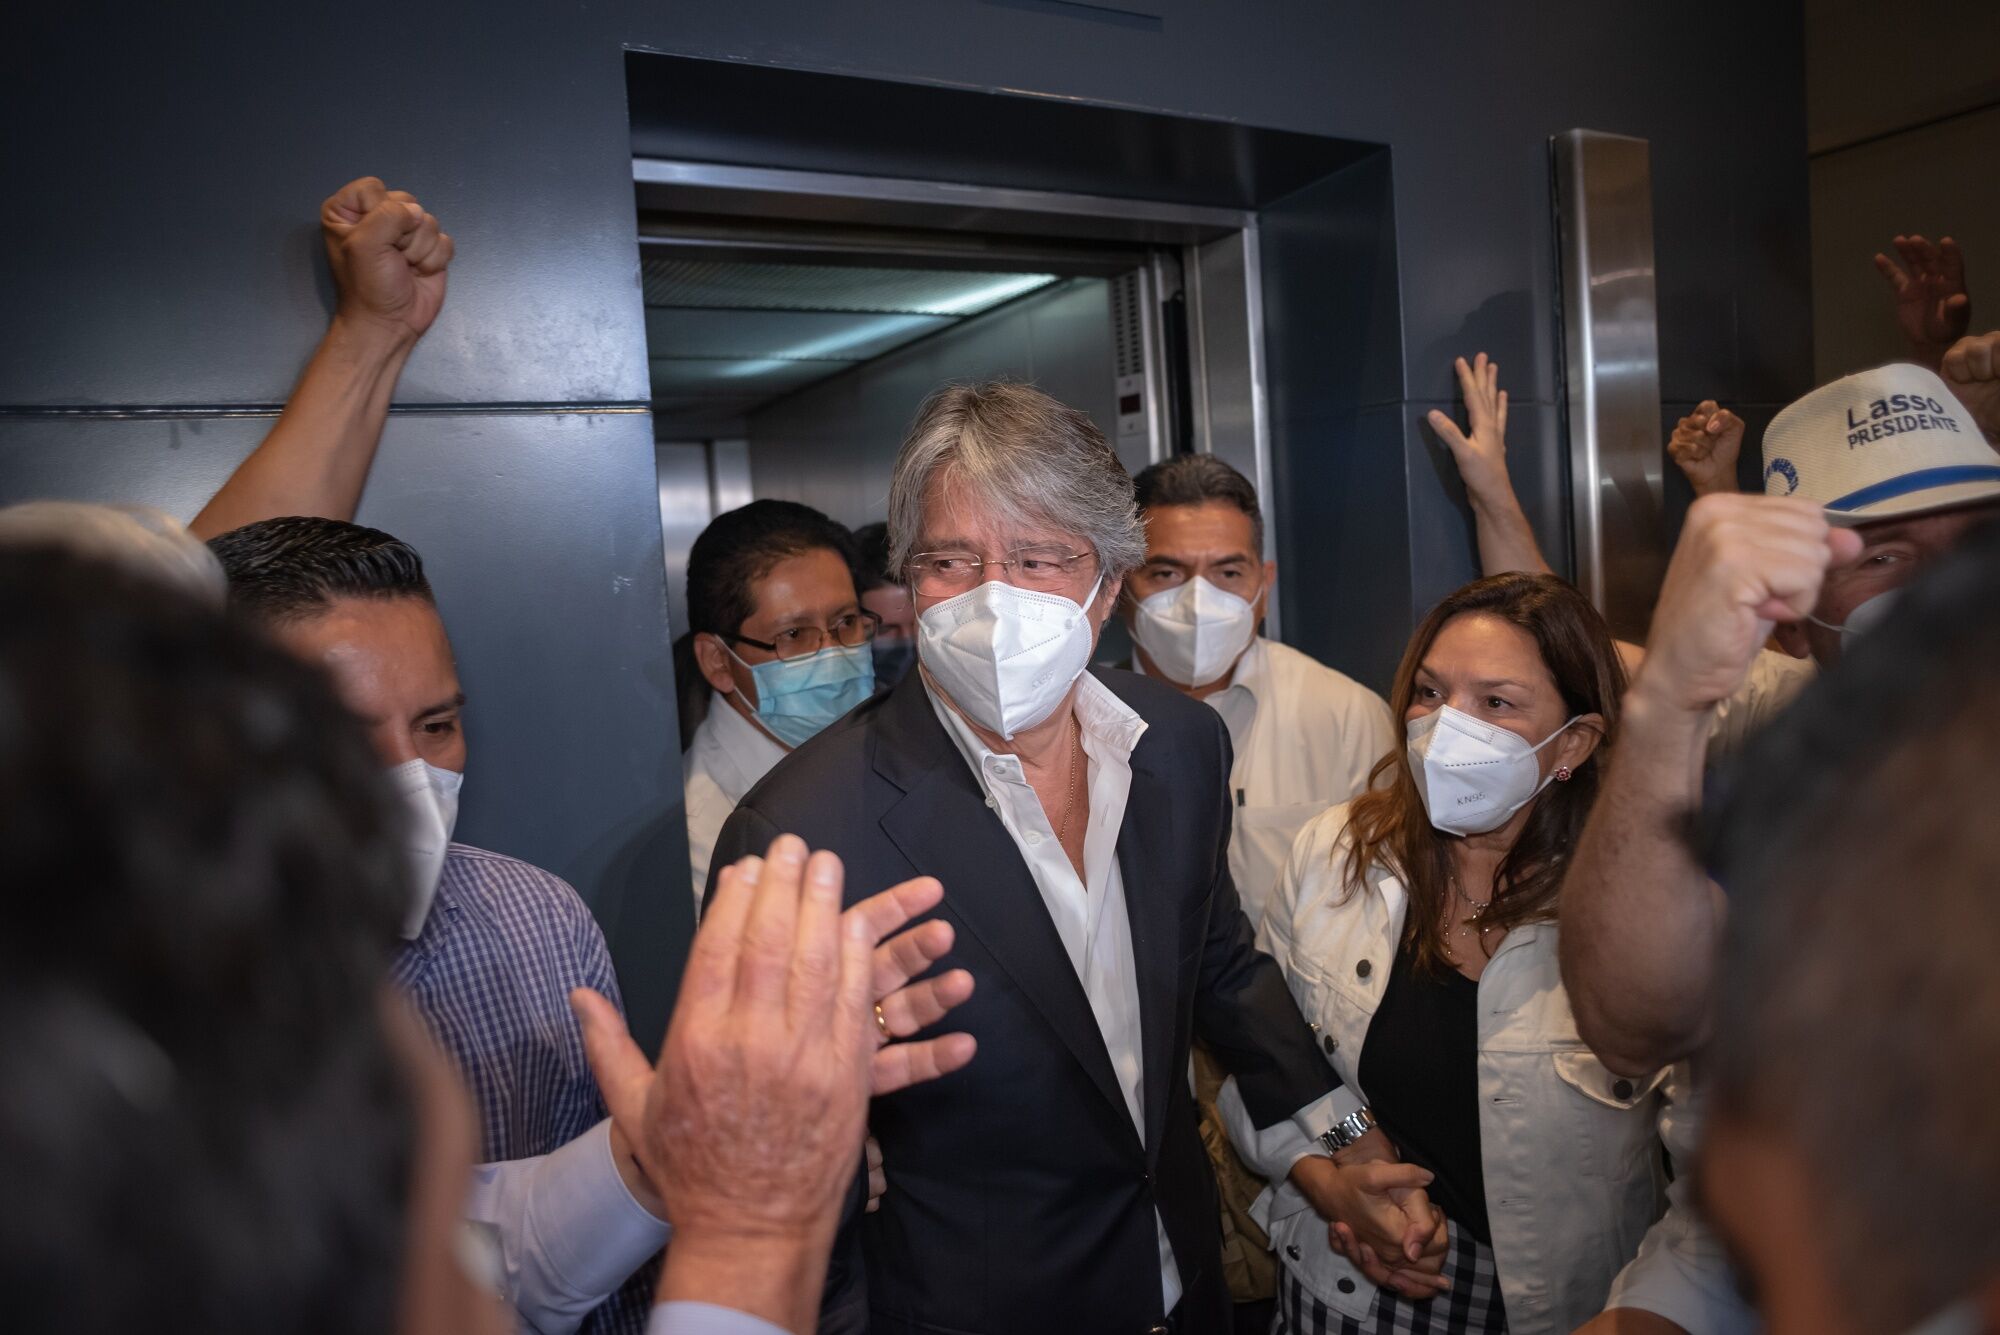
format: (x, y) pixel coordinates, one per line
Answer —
(1880, 444)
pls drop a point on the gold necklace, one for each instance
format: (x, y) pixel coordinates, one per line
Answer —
(1477, 909)
(1075, 763)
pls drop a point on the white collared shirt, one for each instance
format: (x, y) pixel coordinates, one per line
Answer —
(728, 756)
(1305, 738)
(562, 1231)
(1772, 683)
(1089, 913)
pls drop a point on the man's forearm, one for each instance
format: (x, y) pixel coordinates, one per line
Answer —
(315, 461)
(777, 1278)
(1506, 540)
(1640, 919)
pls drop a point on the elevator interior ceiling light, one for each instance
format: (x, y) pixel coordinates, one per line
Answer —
(726, 337)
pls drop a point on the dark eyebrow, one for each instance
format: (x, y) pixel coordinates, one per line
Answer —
(1167, 561)
(444, 707)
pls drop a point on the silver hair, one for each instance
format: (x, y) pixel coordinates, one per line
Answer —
(138, 539)
(1027, 457)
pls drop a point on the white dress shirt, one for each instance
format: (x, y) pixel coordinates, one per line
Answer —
(727, 757)
(1305, 738)
(1089, 914)
(706, 1319)
(566, 1230)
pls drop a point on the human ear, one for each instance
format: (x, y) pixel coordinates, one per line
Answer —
(1579, 741)
(713, 660)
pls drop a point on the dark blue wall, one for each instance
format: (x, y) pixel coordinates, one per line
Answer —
(158, 248)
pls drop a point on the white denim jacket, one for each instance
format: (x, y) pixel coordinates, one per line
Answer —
(1570, 1150)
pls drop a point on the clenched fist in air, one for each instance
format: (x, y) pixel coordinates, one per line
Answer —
(388, 256)
(1705, 444)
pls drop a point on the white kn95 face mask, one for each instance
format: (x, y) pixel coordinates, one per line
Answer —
(429, 799)
(1473, 776)
(1006, 656)
(1194, 632)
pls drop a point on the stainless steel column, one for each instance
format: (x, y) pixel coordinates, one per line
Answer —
(1604, 237)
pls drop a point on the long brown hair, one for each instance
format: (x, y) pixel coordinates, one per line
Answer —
(1388, 825)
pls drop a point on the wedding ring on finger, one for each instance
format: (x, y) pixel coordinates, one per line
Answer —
(882, 1023)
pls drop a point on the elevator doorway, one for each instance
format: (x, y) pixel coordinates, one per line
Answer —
(788, 356)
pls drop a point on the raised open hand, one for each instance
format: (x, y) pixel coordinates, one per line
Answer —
(755, 1114)
(1480, 451)
(1932, 306)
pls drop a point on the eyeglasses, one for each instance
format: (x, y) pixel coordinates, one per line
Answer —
(849, 632)
(1047, 569)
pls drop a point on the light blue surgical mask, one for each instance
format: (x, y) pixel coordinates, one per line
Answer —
(796, 697)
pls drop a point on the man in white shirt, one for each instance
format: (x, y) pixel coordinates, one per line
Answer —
(1305, 735)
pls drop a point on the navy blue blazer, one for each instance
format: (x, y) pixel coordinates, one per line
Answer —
(1021, 1196)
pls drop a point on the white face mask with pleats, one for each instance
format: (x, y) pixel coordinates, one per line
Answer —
(1473, 776)
(1006, 656)
(429, 799)
(1194, 632)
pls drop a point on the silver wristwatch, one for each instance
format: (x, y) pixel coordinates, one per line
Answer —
(1347, 1130)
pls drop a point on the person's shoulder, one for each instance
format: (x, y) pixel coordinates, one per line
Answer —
(1314, 680)
(507, 890)
(1326, 835)
(1160, 704)
(838, 754)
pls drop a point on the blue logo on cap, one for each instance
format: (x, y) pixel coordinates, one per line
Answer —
(1783, 468)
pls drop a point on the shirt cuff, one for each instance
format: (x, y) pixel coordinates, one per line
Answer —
(706, 1319)
(596, 1234)
(1273, 1150)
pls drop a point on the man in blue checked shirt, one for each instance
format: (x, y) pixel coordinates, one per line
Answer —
(493, 945)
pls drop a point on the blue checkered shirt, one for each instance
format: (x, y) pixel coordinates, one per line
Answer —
(491, 973)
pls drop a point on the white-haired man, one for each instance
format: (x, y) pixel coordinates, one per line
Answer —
(1079, 820)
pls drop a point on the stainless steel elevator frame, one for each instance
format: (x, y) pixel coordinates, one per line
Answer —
(1611, 365)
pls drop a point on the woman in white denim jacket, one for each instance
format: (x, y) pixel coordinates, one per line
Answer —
(1436, 892)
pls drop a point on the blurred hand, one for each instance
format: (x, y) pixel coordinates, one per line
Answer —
(752, 1123)
(878, 1181)
(1972, 368)
(1481, 451)
(1932, 306)
(1743, 563)
(1705, 444)
(388, 257)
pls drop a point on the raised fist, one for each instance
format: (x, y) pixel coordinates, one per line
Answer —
(1932, 306)
(1743, 563)
(1972, 369)
(1705, 444)
(387, 254)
